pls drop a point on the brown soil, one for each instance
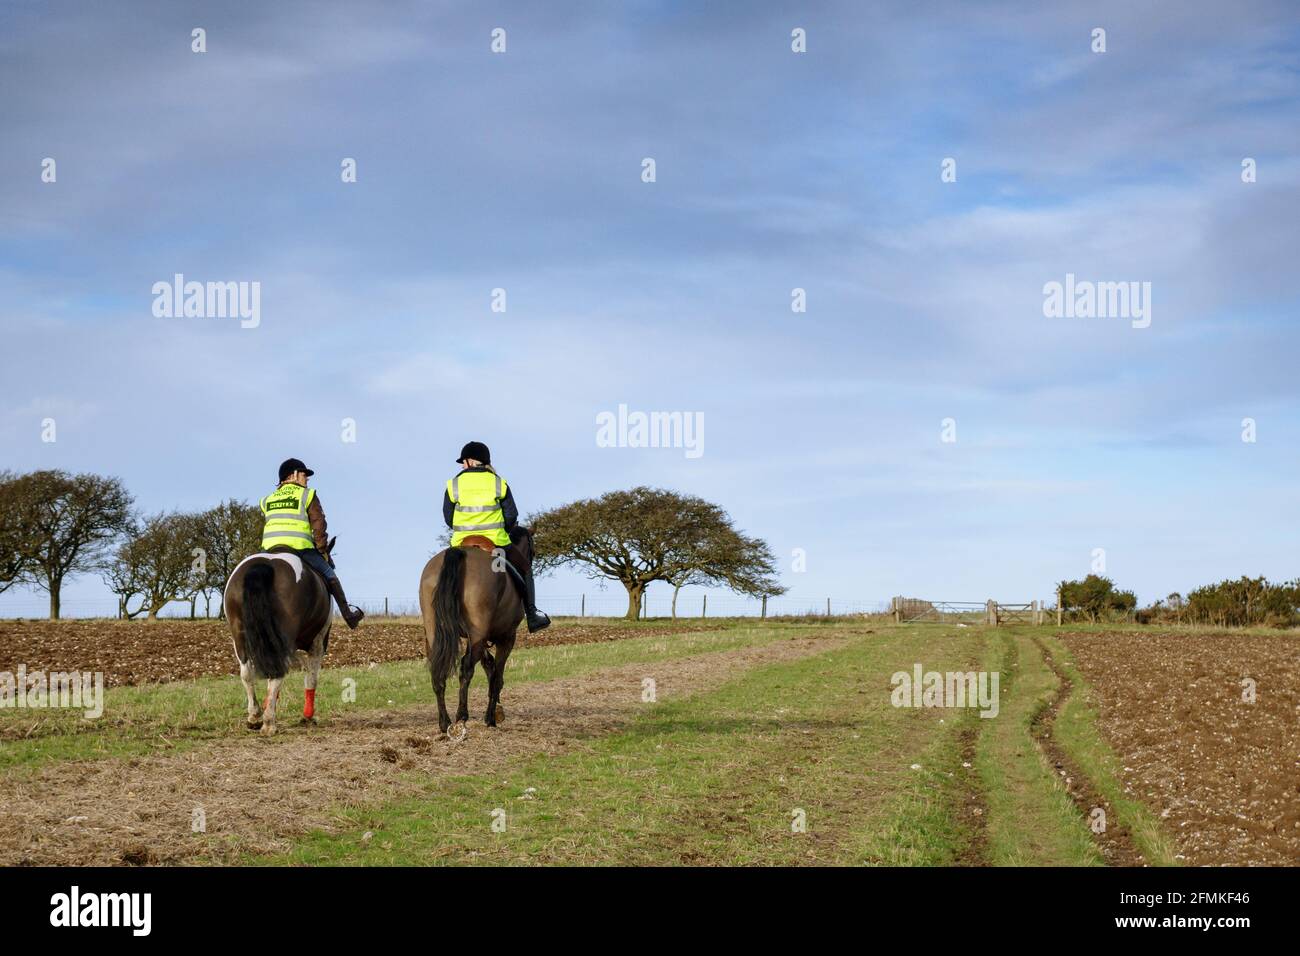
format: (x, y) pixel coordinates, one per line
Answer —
(974, 807)
(1224, 774)
(258, 792)
(1115, 841)
(140, 652)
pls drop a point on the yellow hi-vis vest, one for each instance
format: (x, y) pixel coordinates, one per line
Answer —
(477, 496)
(286, 517)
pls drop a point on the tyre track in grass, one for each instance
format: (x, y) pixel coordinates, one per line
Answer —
(1115, 842)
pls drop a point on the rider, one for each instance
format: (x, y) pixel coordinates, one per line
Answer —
(296, 520)
(479, 502)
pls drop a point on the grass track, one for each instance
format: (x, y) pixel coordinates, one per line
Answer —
(717, 778)
(1032, 820)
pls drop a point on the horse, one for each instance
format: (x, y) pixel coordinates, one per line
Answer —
(277, 608)
(468, 591)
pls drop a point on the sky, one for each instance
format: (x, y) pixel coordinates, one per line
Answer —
(827, 432)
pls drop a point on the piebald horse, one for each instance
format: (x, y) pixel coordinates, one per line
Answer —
(277, 608)
(468, 592)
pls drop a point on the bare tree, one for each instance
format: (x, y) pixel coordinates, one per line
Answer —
(17, 538)
(74, 520)
(157, 563)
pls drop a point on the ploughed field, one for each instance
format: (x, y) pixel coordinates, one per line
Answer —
(171, 649)
(654, 742)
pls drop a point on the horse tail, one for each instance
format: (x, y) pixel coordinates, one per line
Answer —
(448, 614)
(267, 645)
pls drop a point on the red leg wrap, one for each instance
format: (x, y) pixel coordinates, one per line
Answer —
(309, 704)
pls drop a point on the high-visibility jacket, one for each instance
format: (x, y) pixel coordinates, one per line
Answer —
(285, 510)
(476, 497)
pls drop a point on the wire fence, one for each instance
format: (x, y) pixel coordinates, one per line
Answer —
(597, 604)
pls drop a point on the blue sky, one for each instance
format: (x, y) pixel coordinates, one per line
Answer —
(775, 170)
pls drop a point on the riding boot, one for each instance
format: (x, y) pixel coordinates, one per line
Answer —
(536, 619)
(351, 615)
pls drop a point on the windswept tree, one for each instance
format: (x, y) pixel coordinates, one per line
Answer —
(649, 534)
(73, 521)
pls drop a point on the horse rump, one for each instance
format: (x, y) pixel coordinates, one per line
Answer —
(269, 649)
(448, 614)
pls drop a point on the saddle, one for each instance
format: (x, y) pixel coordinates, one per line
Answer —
(482, 542)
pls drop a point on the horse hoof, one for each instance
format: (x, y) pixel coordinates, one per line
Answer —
(254, 725)
(268, 730)
(309, 721)
(500, 713)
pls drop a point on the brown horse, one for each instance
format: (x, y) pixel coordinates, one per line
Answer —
(277, 608)
(467, 592)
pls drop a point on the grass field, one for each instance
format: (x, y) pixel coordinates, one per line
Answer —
(748, 743)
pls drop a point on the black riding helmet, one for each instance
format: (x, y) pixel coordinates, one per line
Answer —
(290, 465)
(477, 451)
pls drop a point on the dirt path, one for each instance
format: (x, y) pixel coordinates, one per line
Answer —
(253, 793)
(1115, 841)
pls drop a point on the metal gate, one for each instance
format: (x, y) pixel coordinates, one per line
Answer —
(917, 610)
(1017, 613)
(920, 611)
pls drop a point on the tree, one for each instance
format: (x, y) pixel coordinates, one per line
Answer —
(649, 534)
(722, 556)
(17, 537)
(227, 534)
(122, 575)
(74, 520)
(157, 563)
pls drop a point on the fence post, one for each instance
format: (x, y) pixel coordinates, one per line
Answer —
(898, 609)
(704, 611)
(828, 607)
(385, 607)
(991, 612)
(1058, 607)
(764, 606)
(583, 612)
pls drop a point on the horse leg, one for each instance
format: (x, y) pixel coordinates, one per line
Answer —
(496, 681)
(489, 668)
(473, 652)
(314, 658)
(309, 686)
(250, 688)
(440, 691)
(268, 711)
